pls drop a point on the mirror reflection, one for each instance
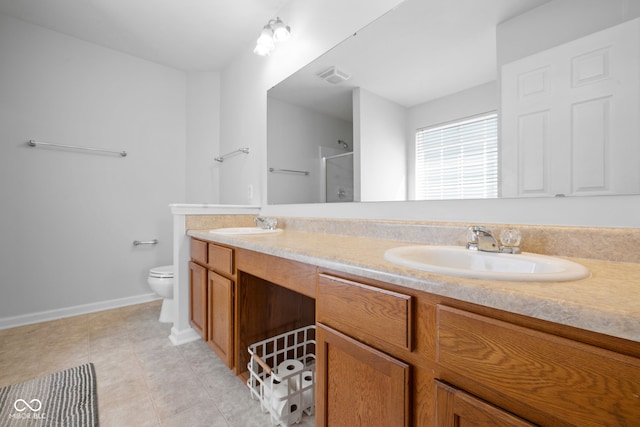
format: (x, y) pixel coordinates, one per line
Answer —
(402, 109)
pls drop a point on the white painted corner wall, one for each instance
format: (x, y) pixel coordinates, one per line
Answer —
(69, 217)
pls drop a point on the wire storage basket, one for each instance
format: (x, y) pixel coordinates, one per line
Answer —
(283, 375)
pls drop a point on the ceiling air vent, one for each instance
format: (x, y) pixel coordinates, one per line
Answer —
(334, 76)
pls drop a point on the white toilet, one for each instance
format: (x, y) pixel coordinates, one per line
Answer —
(161, 282)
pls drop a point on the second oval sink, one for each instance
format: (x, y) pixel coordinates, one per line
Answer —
(462, 262)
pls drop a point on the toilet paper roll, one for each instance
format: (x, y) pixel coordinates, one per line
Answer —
(307, 387)
(276, 397)
(289, 367)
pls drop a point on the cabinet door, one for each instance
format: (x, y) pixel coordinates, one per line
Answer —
(357, 384)
(455, 408)
(198, 298)
(220, 317)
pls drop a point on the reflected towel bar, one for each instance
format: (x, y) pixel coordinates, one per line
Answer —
(239, 150)
(288, 171)
(145, 242)
(33, 143)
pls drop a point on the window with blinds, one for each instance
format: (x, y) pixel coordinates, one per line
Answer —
(458, 160)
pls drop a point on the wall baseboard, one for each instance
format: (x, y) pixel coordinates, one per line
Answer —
(44, 316)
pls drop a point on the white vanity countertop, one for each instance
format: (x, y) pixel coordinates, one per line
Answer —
(608, 302)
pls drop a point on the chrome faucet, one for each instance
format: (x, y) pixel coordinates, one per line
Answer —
(482, 239)
(266, 223)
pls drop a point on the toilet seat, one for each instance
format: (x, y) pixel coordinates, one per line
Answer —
(163, 272)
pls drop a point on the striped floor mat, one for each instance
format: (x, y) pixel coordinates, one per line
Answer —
(64, 399)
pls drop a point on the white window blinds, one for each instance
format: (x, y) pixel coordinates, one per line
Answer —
(458, 160)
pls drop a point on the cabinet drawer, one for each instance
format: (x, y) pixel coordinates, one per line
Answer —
(554, 376)
(199, 251)
(220, 259)
(365, 312)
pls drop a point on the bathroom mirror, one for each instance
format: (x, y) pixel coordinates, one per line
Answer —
(423, 63)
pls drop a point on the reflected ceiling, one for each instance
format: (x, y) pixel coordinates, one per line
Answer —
(457, 48)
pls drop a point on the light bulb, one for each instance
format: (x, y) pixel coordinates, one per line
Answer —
(280, 31)
(266, 38)
(261, 50)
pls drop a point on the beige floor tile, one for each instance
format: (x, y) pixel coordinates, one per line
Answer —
(179, 396)
(133, 412)
(116, 393)
(205, 414)
(143, 380)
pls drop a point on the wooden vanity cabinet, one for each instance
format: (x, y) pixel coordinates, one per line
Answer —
(198, 298)
(212, 289)
(220, 293)
(462, 364)
(548, 379)
(394, 356)
(358, 383)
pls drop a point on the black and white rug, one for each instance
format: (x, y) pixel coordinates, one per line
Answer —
(64, 399)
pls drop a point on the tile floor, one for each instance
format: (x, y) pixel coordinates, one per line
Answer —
(143, 380)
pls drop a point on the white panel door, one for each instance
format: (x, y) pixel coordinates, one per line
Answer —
(570, 117)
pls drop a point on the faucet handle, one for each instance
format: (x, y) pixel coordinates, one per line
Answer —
(266, 223)
(510, 239)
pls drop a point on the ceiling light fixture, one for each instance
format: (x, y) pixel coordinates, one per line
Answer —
(274, 31)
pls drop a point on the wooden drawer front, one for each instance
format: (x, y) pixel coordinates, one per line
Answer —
(365, 312)
(554, 376)
(199, 251)
(220, 259)
(457, 408)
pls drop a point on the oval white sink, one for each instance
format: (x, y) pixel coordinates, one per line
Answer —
(459, 261)
(244, 230)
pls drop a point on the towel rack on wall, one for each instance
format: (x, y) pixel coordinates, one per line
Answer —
(145, 242)
(272, 170)
(33, 143)
(239, 150)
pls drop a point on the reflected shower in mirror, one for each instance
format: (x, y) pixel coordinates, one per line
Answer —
(427, 64)
(338, 177)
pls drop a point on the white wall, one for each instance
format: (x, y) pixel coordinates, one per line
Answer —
(297, 138)
(380, 165)
(203, 137)
(69, 218)
(316, 26)
(557, 22)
